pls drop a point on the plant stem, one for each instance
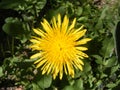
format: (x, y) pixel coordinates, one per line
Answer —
(12, 48)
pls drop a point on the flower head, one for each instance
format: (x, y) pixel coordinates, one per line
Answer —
(59, 47)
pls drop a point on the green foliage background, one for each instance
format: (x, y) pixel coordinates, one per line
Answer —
(18, 17)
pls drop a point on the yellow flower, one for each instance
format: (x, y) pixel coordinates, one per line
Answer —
(59, 47)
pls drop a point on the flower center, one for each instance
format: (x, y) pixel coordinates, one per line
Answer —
(61, 48)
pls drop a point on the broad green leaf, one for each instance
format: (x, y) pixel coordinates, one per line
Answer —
(107, 49)
(69, 88)
(98, 83)
(1, 71)
(13, 27)
(36, 87)
(82, 19)
(60, 10)
(45, 81)
(86, 67)
(79, 84)
(111, 85)
(79, 11)
(11, 4)
(110, 62)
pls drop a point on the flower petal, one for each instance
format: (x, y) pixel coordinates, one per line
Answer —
(39, 32)
(59, 21)
(72, 25)
(83, 41)
(65, 24)
(36, 55)
(81, 48)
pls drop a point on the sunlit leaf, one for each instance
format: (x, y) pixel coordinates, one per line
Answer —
(69, 88)
(84, 18)
(79, 11)
(1, 72)
(107, 49)
(111, 85)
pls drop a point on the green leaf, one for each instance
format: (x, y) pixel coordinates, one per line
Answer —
(79, 11)
(98, 59)
(40, 3)
(86, 67)
(107, 49)
(103, 75)
(99, 25)
(104, 11)
(13, 27)
(69, 88)
(111, 85)
(79, 84)
(1, 71)
(98, 83)
(11, 4)
(36, 87)
(114, 69)
(61, 10)
(110, 62)
(45, 81)
(91, 79)
(83, 18)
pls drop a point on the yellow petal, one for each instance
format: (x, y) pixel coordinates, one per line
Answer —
(83, 41)
(82, 48)
(79, 61)
(76, 30)
(65, 24)
(39, 32)
(72, 25)
(80, 28)
(37, 38)
(45, 68)
(79, 34)
(65, 69)
(38, 60)
(54, 25)
(80, 67)
(35, 47)
(82, 54)
(61, 70)
(35, 55)
(56, 70)
(34, 41)
(46, 26)
(59, 21)
(70, 69)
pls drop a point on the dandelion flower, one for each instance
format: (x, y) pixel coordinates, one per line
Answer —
(60, 47)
